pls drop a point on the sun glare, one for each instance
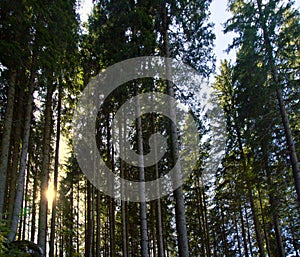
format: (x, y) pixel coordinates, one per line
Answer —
(50, 194)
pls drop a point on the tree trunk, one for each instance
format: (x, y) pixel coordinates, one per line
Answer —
(21, 176)
(6, 138)
(159, 225)
(16, 142)
(183, 246)
(143, 207)
(256, 224)
(33, 207)
(122, 135)
(264, 222)
(273, 204)
(112, 227)
(26, 193)
(43, 207)
(208, 245)
(55, 175)
(90, 221)
(98, 226)
(112, 218)
(249, 191)
(290, 143)
(244, 233)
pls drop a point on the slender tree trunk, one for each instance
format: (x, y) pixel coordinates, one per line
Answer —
(273, 204)
(153, 234)
(112, 218)
(20, 225)
(199, 207)
(21, 176)
(98, 228)
(33, 207)
(111, 207)
(90, 223)
(16, 142)
(280, 248)
(208, 245)
(290, 143)
(5, 145)
(43, 207)
(26, 193)
(249, 192)
(55, 175)
(264, 222)
(112, 227)
(159, 225)
(143, 206)
(122, 135)
(183, 246)
(78, 216)
(256, 225)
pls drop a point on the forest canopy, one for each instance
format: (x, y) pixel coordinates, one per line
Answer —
(249, 205)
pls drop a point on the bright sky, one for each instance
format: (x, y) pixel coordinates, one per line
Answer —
(219, 15)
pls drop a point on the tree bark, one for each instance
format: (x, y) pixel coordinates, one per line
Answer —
(21, 176)
(16, 142)
(122, 135)
(90, 221)
(159, 225)
(98, 226)
(264, 222)
(183, 247)
(33, 207)
(244, 233)
(43, 206)
(143, 207)
(55, 175)
(6, 138)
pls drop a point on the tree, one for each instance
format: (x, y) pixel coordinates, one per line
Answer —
(267, 21)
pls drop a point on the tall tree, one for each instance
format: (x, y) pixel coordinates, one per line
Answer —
(267, 21)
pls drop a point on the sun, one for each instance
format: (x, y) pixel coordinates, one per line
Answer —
(50, 194)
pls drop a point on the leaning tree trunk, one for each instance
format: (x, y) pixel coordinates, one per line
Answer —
(6, 139)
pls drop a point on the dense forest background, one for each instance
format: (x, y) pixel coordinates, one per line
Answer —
(250, 206)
